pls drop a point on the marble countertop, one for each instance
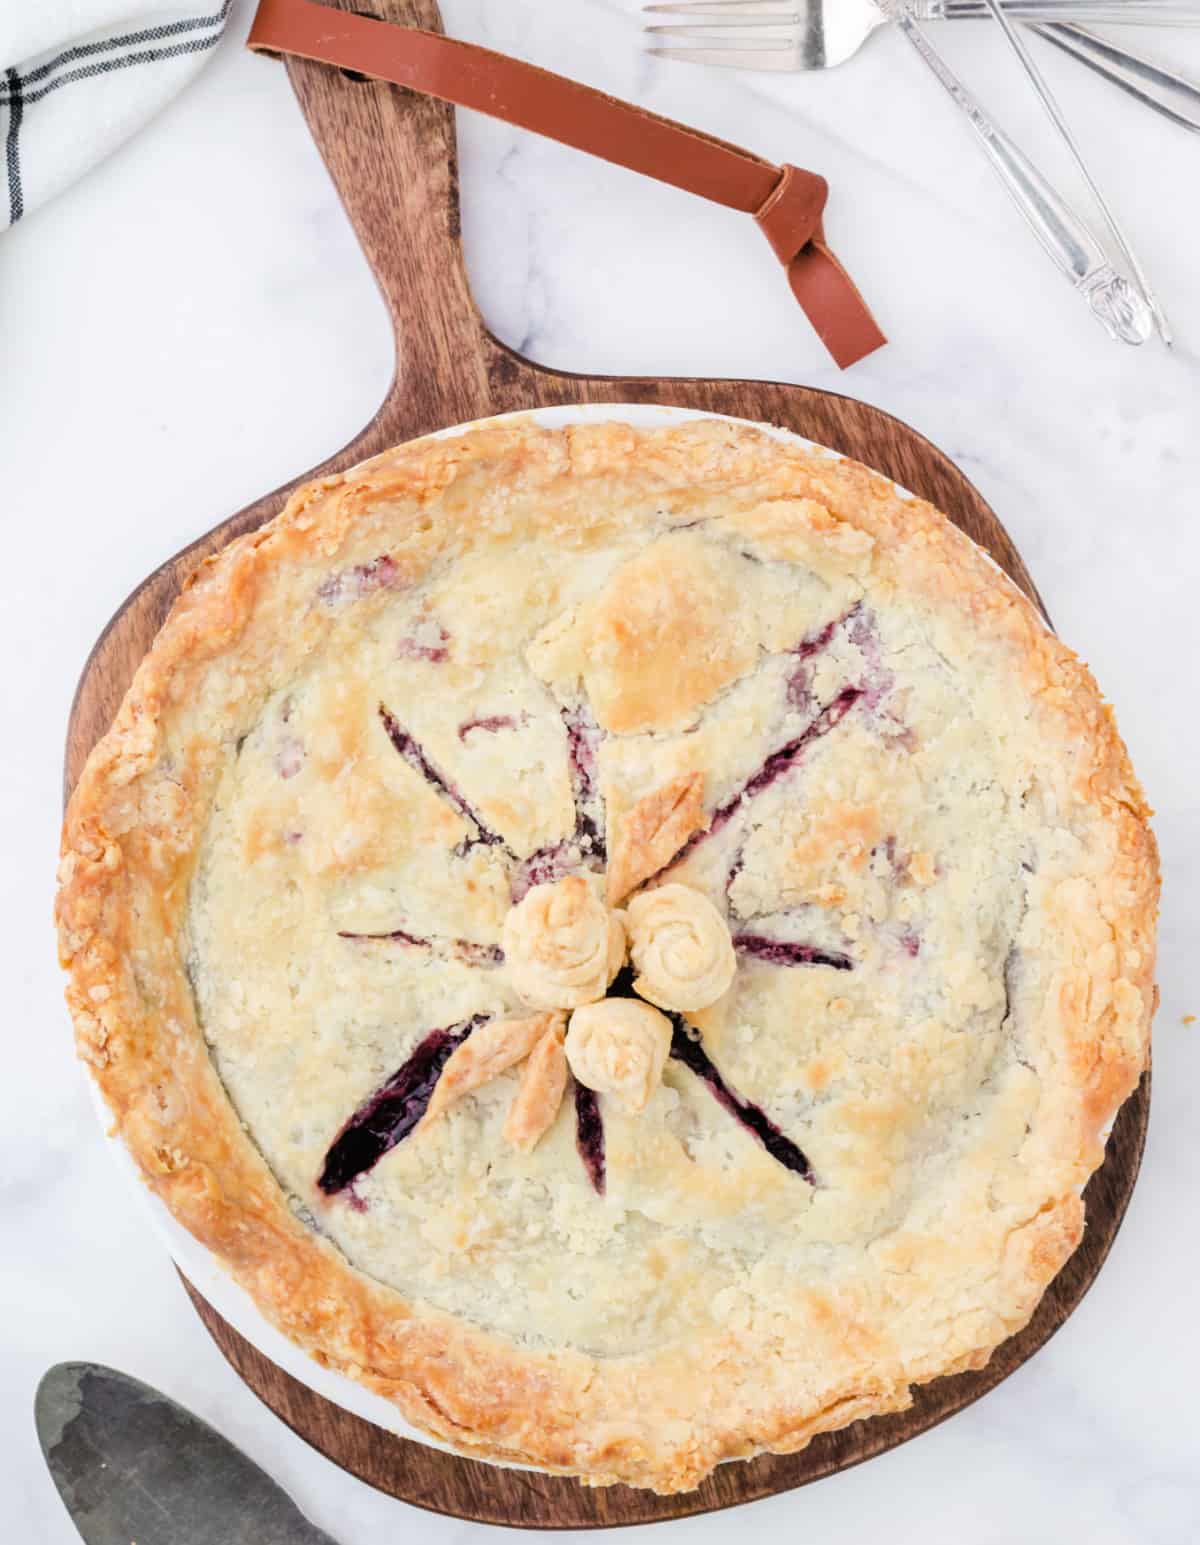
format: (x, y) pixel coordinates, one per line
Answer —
(193, 324)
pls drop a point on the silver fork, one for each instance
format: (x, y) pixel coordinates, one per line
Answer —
(818, 34)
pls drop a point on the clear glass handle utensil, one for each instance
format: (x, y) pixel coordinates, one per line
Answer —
(1173, 95)
(1125, 13)
(1050, 102)
(1115, 303)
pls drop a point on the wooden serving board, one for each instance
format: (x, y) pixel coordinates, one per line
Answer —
(392, 156)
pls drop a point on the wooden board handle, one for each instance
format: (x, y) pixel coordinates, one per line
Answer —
(393, 160)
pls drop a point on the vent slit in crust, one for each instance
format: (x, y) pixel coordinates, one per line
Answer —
(583, 741)
(689, 1051)
(386, 1117)
(775, 767)
(585, 847)
(469, 951)
(782, 952)
(589, 1134)
(412, 753)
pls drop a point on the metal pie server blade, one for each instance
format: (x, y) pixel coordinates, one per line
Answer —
(132, 1465)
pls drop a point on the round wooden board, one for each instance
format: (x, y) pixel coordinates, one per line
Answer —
(392, 157)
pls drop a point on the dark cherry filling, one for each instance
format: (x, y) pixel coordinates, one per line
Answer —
(394, 936)
(419, 762)
(583, 744)
(881, 680)
(813, 643)
(589, 1134)
(289, 757)
(381, 573)
(735, 868)
(783, 760)
(416, 649)
(756, 1121)
(491, 723)
(543, 868)
(799, 695)
(467, 950)
(782, 952)
(585, 847)
(473, 954)
(390, 1114)
(775, 767)
(621, 985)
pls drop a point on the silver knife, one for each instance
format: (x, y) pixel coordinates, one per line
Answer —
(132, 1465)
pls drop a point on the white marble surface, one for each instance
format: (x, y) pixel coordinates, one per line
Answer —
(194, 323)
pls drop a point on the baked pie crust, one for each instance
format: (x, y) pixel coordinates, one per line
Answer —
(623, 659)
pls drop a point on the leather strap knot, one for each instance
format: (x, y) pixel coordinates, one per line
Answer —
(791, 216)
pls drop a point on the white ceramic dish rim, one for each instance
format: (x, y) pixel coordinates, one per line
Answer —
(199, 1265)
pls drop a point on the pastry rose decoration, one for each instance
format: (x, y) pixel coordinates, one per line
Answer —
(681, 948)
(563, 948)
(619, 1047)
(562, 945)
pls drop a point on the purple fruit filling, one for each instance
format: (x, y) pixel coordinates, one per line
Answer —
(492, 724)
(585, 848)
(545, 867)
(621, 985)
(472, 954)
(589, 1135)
(382, 573)
(782, 952)
(799, 683)
(289, 757)
(880, 680)
(756, 1121)
(799, 691)
(775, 767)
(391, 1113)
(814, 643)
(393, 936)
(420, 763)
(467, 950)
(583, 745)
(783, 760)
(429, 643)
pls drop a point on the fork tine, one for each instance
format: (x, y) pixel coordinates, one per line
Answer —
(732, 10)
(732, 58)
(760, 34)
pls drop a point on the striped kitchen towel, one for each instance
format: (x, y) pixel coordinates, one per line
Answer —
(77, 77)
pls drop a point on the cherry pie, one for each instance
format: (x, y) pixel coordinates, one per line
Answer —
(627, 942)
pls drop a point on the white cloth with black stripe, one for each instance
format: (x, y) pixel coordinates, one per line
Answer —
(77, 77)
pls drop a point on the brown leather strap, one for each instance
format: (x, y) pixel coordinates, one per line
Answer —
(786, 201)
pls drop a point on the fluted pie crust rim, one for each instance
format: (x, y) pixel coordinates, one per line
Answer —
(130, 840)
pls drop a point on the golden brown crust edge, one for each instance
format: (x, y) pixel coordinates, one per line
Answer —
(127, 844)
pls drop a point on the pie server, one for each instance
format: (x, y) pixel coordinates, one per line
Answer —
(131, 1465)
